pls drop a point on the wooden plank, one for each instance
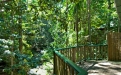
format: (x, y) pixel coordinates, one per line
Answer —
(108, 37)
(82, 49)
(70, 54)
(90, 52)
(73, 54)
(117, 46)
(81, 53)
(119, 40)
(114, 46)
(85, 52)
(111, 46)
(78, 54)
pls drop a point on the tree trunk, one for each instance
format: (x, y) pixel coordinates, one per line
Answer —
(20, 39)
(109, 14)
(89, 20)
(20, 28)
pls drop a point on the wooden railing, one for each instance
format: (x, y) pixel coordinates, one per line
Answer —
(87, 52)
(65, 59)
(64, 66)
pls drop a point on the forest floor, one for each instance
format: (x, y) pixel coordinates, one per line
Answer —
(45, 69)
(102, 67)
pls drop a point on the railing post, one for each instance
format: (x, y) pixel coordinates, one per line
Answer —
(74, 54)
(54, 65)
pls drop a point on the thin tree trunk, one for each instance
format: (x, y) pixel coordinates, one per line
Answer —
(109, 14)
(20, 29)
(12, 49)
(76, 25)
(89, 19)
(20, 39)
(77, 31)
(67, 26)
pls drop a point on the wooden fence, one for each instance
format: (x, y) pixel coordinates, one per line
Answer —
(64, 66)
(87, 52)
(114, 46)
(65, 59)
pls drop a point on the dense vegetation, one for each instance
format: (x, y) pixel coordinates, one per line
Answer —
(29, 26)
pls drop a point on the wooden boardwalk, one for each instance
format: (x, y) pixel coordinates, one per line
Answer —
(102, 67)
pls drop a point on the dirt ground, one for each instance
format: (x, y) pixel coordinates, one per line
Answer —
(102, 67)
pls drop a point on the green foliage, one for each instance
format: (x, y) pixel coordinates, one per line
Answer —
(21, 62)
(51, 24)
(5, 49)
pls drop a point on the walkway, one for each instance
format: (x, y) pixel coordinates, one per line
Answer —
(103, 67)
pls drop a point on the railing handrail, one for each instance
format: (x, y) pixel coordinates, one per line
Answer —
(81, 46)
(72, 64)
